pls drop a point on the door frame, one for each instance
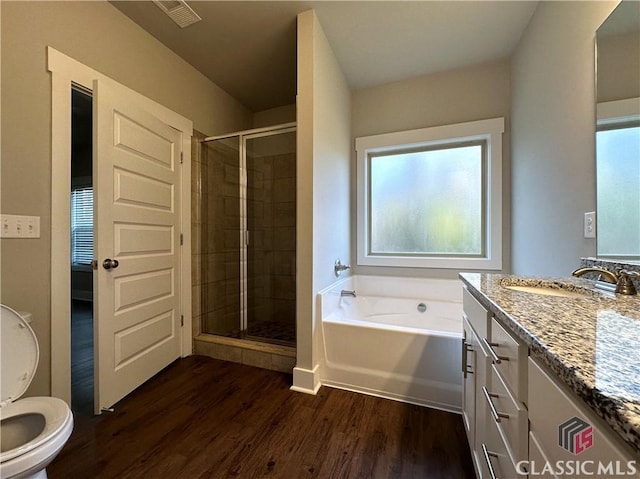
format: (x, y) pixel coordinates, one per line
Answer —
(66, 71)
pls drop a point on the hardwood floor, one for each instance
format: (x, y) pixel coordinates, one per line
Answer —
(204, 418)
(82, 357)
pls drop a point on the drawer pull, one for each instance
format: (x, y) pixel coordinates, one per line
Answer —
(497, 416)
(487, 457)
(495, 359)
(464, 357)
(465, 348)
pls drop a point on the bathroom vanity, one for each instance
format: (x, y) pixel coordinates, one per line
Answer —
(551, 378)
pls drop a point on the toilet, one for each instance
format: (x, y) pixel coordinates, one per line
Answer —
(33, 430)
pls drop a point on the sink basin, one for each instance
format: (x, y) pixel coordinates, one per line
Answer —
(545, 287)
(544, 290)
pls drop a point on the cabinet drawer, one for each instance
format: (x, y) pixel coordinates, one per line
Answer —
(508, 414)
(510, 360)
(477, 316)
(494, 457)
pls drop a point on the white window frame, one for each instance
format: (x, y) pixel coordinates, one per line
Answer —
(491, 131)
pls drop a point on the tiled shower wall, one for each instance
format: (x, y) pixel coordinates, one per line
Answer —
(271, 217)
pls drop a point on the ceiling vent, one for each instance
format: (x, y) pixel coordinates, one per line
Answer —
(178, 11)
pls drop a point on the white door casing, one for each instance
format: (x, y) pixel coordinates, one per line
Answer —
(65, 72)
(136, 217)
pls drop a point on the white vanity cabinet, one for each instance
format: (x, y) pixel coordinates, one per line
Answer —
(507, 393)
(492, 414)
(552, 405)
(473, 409)
(474, 361)
(553, 391)
(504, 395)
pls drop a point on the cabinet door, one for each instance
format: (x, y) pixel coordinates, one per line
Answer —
(469, 381)
(473, 409)
(566, 430)
(538, 459)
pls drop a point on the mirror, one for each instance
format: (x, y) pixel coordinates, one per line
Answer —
(618, 133)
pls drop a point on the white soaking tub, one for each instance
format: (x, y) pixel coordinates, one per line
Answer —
(399, 338)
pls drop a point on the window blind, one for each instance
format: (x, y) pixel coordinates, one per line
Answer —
(82, 225)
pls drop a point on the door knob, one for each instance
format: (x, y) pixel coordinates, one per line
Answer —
(110, 263)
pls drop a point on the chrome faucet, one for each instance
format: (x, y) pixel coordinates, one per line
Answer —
(622, 279)
(346, 292)
(338, 267)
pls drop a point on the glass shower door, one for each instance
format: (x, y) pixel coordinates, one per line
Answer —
(221, 237)
(270, 274)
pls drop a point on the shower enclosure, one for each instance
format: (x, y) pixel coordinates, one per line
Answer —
(248, 235)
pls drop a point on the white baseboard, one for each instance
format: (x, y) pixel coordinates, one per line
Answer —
(394, 397)
(306, 380)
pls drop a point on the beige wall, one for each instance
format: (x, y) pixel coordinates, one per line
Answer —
(274, 116)
(619, 67)
(552, 127)
(331, 164)
(457, 96)
(323, 116)
(98, 35)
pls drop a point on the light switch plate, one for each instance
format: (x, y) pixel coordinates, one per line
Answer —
(590, 224)
(15, 226)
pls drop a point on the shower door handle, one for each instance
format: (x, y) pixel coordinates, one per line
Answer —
(110, 263)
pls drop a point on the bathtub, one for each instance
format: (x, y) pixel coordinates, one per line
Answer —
(399, 338)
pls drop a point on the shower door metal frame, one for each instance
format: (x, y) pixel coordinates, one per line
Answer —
(243, 136)
(244, 232)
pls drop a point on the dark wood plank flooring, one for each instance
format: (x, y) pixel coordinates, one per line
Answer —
(82, 357)
(204, 418)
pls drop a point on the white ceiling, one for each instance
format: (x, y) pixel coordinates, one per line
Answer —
(249, 48)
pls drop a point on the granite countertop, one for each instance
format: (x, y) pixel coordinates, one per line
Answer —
(591, 341)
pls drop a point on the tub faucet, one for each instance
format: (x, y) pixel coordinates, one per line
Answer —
(346, 292)
(622, 279)
(338, 267)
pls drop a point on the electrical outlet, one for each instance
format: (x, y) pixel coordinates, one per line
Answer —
(590, 224)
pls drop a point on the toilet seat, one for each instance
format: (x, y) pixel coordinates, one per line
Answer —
(19, 354)
(57, 419)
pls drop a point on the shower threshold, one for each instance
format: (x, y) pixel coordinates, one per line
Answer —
(276, 357)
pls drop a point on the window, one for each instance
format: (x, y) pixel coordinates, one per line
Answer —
(618, 186)
(82, 226)
(432, 197)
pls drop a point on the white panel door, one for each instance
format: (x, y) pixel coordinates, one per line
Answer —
(136, 176)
